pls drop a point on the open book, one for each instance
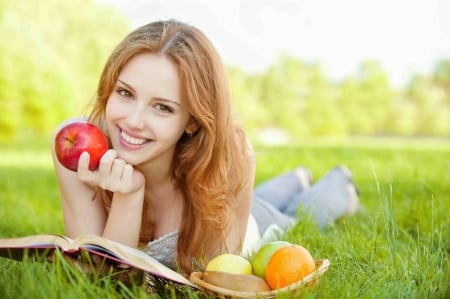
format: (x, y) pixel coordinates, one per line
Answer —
(96, 246)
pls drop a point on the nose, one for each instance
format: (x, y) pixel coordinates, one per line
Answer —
(135, 118)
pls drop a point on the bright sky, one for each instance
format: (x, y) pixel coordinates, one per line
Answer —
(406, 36)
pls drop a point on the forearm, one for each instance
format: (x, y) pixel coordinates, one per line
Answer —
(124, 220)
(86, 216)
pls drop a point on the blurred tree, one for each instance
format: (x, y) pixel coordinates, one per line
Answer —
(50, 64)
(366, 100)
(322, 113)
(244, 90)
(271, 99)
(432, 107)
(276, 94)
(442, 78)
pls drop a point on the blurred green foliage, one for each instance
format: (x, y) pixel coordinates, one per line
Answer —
(53, 51)
(51, 56)
(299, 99)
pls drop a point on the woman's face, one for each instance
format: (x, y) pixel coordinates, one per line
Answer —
(145, 114)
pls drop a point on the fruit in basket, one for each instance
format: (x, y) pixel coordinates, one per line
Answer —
(287, 265)
(230, 263)
(263, 255)
(77, 137)
(236, 282)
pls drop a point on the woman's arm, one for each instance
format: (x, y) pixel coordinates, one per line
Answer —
(84, 213)
(123, 222)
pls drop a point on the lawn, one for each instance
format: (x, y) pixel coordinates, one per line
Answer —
(396, 247)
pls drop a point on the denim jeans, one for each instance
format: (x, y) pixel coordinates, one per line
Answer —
(282, 200)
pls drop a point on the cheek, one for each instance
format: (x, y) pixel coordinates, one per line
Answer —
(169, 130)
(113, 109)
(109, 115)
(108, 108)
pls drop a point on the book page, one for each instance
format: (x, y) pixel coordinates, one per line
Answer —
(129, 256)
(38, 241)
(34, 246)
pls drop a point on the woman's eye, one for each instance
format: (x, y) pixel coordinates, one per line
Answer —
(125, 93)
(163, 108)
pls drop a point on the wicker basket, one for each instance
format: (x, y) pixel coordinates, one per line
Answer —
(308, 281)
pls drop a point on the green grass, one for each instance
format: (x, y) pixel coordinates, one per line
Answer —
(397, 247)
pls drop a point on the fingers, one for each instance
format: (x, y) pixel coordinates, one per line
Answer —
(83, 166)
(106, 163)
(117, 169)
(113, 174)
(127, 174)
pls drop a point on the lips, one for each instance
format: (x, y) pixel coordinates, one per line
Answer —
(132, 140)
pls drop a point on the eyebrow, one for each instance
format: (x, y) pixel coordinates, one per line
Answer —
(133, 90)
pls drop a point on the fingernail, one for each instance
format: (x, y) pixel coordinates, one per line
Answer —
(84, 156)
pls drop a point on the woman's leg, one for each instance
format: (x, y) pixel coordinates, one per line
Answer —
(266, 215)
(266, 224)
(332, 197)
(279, 190)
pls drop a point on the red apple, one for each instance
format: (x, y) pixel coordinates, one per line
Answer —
(77, 137)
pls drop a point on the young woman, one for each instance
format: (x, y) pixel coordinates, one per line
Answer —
(178, 179)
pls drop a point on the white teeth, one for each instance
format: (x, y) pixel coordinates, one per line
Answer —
(132, 140)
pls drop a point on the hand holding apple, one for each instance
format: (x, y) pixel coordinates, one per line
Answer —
(77, 137)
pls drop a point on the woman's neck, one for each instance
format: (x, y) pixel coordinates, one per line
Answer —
(164, 206)
(157, 173)
(160, 190)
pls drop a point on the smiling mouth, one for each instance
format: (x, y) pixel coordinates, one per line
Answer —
(132, 140)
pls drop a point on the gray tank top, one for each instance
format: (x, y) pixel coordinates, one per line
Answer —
(164, 249)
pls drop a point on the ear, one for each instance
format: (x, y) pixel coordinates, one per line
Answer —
(192, 127)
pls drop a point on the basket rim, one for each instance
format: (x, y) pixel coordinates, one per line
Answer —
(322, 267)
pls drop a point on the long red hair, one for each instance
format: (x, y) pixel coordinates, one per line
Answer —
(210, 167)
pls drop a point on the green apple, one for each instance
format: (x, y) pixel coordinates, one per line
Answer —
(263, 255)
(230, 263)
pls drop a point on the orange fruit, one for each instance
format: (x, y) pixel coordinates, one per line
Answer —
(287, 265)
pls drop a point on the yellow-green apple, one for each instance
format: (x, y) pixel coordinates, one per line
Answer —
(77, 137)
(263, 255)
(230, 263)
